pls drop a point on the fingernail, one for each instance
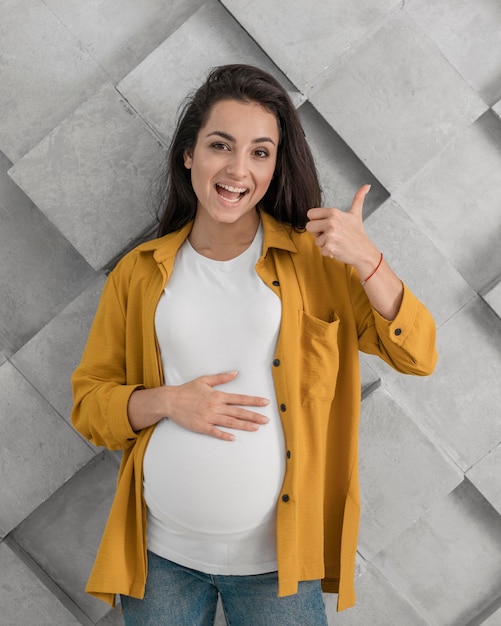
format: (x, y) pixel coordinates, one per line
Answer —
(368, 189)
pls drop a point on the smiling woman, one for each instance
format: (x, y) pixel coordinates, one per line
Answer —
(223, 361)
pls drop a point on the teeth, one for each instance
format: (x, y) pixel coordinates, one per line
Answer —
(232, 189)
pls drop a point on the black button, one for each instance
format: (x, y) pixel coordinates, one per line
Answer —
(283, 408)
(276, 283)
(276, 362)
(285, 498)
(288, 454)
(398, 331)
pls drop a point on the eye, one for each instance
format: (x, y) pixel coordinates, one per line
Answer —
(219, 145)
(262, 153)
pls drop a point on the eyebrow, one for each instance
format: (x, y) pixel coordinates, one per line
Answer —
(224, 135)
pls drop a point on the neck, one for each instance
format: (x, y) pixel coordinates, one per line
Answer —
(220, 241)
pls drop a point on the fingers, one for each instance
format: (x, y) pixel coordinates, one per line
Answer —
(232, 398)
(218, 379)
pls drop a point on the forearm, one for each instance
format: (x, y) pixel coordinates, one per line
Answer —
(146, 407)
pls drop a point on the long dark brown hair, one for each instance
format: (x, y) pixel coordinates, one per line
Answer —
(294, 188)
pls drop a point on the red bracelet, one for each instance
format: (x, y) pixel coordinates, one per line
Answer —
(362, 282)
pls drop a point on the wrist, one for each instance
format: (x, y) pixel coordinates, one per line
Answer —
(366, 265)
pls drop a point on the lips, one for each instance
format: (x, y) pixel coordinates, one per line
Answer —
(230, 193)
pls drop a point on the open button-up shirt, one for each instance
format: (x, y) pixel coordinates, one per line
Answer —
(326, 319)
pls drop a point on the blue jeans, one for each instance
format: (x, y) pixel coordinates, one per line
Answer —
(180, 596)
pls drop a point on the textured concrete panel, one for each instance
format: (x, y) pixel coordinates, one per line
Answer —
(24, 600)
(493, 298)
(39, 451)
(122, 32)
(306, 43)
(112, 618)
(49, 359)
(41, 83)
(378, 604)
(497, 109)
(395, 137)
(341, 172)
(63, 534)
(457, 27)
(92, 176)
(459, 406)
(369, 377)
(157, 87)
(394, 492)
(447, 564)
(455, 199)
(486, 476)
(493, 620)
(418, 262)
(39, 270)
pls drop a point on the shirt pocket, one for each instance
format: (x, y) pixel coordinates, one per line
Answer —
(319, 358)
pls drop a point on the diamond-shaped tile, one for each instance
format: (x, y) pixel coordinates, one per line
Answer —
(41, 82)
(340, 171)
(395, 135)
(24, 599)
(379, 603)
(447, 564)
(458, 406)
(486, 476)
(305, 40)
(469, 36)
(92, 176)
(63, 534)
(157, 87)
(455, 199)
(39, 450)
(121, 33)
(49, 359)
(393, 493)
(415, 259)
(497, 109)
(493, 298)
(40, 272)
(494, 619)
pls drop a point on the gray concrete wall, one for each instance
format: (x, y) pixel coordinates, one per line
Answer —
(404, 95)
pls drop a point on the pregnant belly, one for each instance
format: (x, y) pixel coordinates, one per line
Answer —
(206, 485)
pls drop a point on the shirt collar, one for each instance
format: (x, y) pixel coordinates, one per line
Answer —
(276, 235)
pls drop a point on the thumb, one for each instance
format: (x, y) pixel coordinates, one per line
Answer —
(357, 205)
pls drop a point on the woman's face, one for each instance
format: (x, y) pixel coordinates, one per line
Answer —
(233, 160)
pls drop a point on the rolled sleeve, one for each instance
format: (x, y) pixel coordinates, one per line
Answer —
(407, 343)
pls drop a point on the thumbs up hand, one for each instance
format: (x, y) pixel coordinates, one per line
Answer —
(341, 235)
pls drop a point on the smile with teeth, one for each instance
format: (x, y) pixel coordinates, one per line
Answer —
(229, 193)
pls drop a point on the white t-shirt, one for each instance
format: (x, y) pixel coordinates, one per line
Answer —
(211, 503)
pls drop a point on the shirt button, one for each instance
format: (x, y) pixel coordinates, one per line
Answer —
(398, 331)
(288, 454)
(283, 408)
(285, 498)
(276, 362)
(276, 283)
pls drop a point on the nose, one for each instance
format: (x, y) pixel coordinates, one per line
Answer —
(237, 166)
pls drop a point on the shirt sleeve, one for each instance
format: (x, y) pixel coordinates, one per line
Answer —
(100, 390)
(407, 343)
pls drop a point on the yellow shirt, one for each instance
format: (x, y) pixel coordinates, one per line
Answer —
(326, 320)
